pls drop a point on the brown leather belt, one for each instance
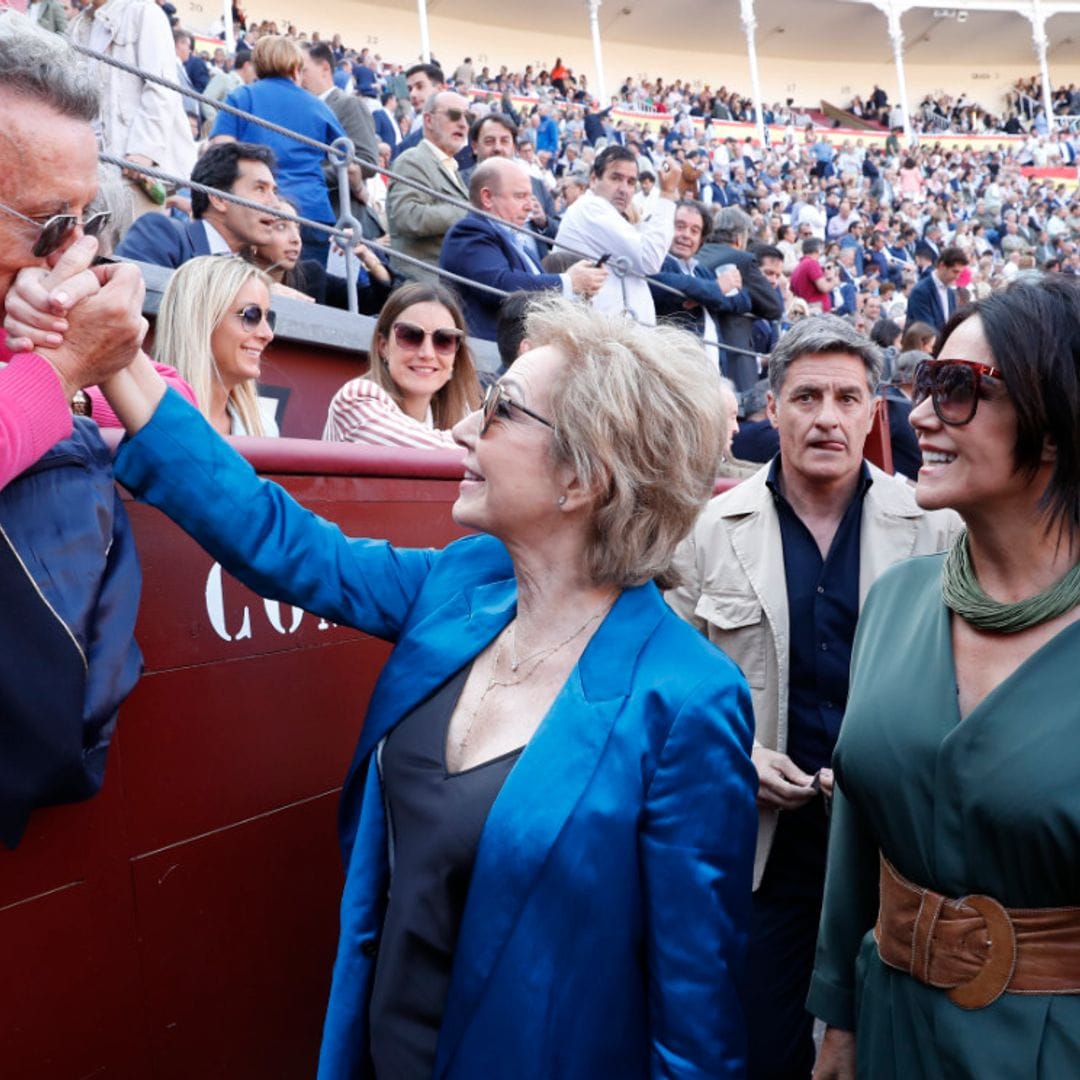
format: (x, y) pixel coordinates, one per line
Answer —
(973, 947)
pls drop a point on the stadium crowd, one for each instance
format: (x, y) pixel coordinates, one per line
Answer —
(818, 272)
(641, 204)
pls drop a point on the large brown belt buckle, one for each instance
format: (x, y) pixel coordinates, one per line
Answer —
(994, 976)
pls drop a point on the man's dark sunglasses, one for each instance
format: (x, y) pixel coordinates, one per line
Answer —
(497, 405)
(454, 115)
(954, 387)
(251, 317)
(55, 230)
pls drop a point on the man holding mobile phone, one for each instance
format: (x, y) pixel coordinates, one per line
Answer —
(596, 225)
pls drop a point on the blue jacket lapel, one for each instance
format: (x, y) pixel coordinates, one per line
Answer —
(539, 796)
(440, 643)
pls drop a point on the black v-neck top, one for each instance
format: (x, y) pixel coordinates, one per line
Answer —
(435, 820)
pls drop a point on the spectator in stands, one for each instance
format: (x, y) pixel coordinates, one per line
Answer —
(69, 576)
(219, 226)
(906, 455)
(707, 295)
(307, 279)
(619, 845)
(728, 245)
(277, 96)
(488, 253)
(419, 221)
(423, 80)
(421, 380)
(774, 570)
(933, 299)
(757, 439)
(140, 120)
(495, 135)
(317, 77)
(195, 67)
(223, 83)
(809, 281)
(49, 15)
(918, 336)
(213, 326)
(596, 226)
(510, 328)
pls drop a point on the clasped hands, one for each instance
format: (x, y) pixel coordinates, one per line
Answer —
(86, 320)
(782, 785)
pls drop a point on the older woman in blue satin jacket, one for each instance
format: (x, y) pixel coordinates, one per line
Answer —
(548, 825)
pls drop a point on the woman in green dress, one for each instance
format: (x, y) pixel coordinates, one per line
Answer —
(950, 937)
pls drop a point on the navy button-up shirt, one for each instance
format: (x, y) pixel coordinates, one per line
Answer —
(823, 608)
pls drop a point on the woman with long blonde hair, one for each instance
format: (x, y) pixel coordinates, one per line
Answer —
(214, 323)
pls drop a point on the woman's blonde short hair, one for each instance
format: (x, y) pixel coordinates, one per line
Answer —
(199, 295)
(639, 416)
(276, 55)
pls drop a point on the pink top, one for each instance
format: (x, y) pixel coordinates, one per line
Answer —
(33, 412)
(363, 412)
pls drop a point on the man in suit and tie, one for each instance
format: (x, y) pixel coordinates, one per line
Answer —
(933, 299)
(712, 293)
(727, 244)
(419, 221)
(219, 227)
(496, 135)
(491, 254)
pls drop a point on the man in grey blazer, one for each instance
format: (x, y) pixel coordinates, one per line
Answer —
(419, 221)
(317, 78)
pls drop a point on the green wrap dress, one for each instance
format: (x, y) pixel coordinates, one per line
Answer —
(987, 804)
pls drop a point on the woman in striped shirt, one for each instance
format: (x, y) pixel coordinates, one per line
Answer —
(421, 381)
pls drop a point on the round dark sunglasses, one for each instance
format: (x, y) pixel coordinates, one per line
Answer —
(251, 317)
(497, 405)
(953, 386)
(55, 230)
(410, 336)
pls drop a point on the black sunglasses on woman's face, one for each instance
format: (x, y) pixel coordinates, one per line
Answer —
(953, 386)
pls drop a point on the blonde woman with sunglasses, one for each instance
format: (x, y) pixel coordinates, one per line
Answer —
(214, 323)
(421, 380)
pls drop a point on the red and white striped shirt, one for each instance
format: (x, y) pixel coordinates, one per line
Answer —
(362, 412)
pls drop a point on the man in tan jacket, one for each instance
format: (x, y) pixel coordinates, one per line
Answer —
(775, 573)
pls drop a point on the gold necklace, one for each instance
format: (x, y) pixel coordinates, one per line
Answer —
(536, 659)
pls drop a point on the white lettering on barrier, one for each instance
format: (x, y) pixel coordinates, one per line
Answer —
(215, 610)
(273, 613)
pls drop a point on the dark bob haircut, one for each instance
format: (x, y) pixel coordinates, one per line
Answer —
(1033, 330)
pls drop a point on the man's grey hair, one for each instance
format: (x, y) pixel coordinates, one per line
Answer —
(904, 366)
(820, 334)
(731, 222)
(42, 67)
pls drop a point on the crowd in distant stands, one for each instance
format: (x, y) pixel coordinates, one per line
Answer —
(640, 203)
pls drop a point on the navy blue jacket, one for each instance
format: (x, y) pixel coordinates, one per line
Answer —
(924, 304)
(478, 249)
(69, 576)
(157, 239)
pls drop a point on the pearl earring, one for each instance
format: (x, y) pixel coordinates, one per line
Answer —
(561, 500)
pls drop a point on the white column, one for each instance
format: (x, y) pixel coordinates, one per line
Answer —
(598, 56)
(425, 40)
(749, 22)
(893, 10)
(1038, 35)
(230, 37)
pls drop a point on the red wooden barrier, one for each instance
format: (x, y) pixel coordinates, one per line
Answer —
(182, 923)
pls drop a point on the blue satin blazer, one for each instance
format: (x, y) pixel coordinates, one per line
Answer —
(605, 926)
